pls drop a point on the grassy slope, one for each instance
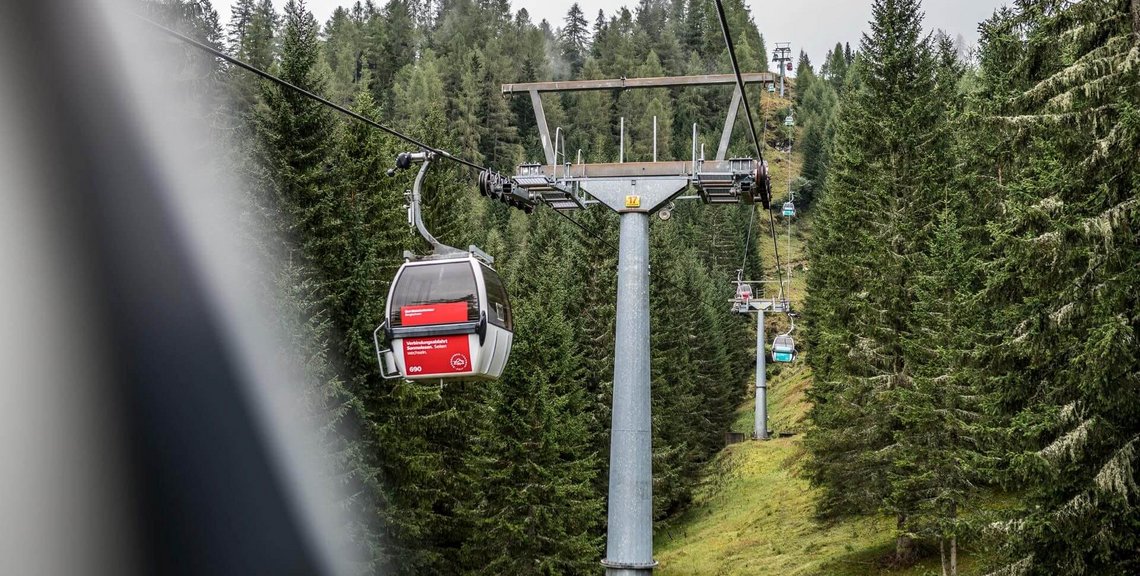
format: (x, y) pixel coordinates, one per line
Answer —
(753, 513)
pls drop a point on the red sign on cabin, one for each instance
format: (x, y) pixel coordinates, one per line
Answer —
(423, 314)
(437, 355)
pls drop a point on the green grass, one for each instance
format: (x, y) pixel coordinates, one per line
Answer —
(753, 517)
(786, 408)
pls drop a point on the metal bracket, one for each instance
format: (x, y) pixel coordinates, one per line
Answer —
(543, 129)
(629, 565)
(645, 195)
(387, 371)
(729, 122)
(550, 147)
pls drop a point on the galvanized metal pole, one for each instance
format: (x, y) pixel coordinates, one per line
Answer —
(654, 138)
(543, 129)
(629, 534)
(760, 428)
(621, 143)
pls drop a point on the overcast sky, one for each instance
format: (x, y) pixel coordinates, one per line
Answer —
(813, 25)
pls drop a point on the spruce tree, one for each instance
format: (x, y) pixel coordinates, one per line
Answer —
(540, 512)
(817, 111)
(241, 16)
(297, 130)
(1064, 277)
(343, 52)
(888, 171)
(393, 44)
(835, 67)
(574, 39)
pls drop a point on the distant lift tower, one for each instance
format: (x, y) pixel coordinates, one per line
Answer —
(635, 190)
(760, 306)
(782, 56)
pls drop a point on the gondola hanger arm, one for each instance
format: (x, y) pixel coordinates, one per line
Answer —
(415, 204)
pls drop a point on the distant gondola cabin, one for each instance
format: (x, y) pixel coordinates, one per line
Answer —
(783, 349)
(743, 293)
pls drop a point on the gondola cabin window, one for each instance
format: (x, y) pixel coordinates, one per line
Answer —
(498, 305)
(435, 294)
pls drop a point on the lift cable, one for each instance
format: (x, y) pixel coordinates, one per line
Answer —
(748, 240)
(752, 130)
(283, 83)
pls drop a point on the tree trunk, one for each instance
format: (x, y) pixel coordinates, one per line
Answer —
(942, 554)
(904, 544)
(954, 539)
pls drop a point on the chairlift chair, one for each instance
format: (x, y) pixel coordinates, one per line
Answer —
(789, 208)
(447, 315)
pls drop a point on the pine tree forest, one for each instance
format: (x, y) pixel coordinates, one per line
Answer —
(972, 312)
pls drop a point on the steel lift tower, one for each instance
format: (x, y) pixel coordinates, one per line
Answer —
(635, 190)
(782, 56)
(760, 307)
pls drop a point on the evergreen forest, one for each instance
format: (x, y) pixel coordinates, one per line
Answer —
(970, 318)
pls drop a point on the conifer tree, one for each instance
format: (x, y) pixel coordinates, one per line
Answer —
(698, 28)
(393, 43)
(540, 512)
(835, 67)
(804, 65)
(326, 295)
(241, 15)
(817, 111)
(574, 39)
(297, 130)
(343, 52)
(886, 175)
(467, 127)
(254, 41)
(1064, 277)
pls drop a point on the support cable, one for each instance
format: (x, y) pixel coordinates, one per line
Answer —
(752, 130)
(748, 240)
(356, 116)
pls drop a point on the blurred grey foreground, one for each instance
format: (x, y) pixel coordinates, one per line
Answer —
(148, 424)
